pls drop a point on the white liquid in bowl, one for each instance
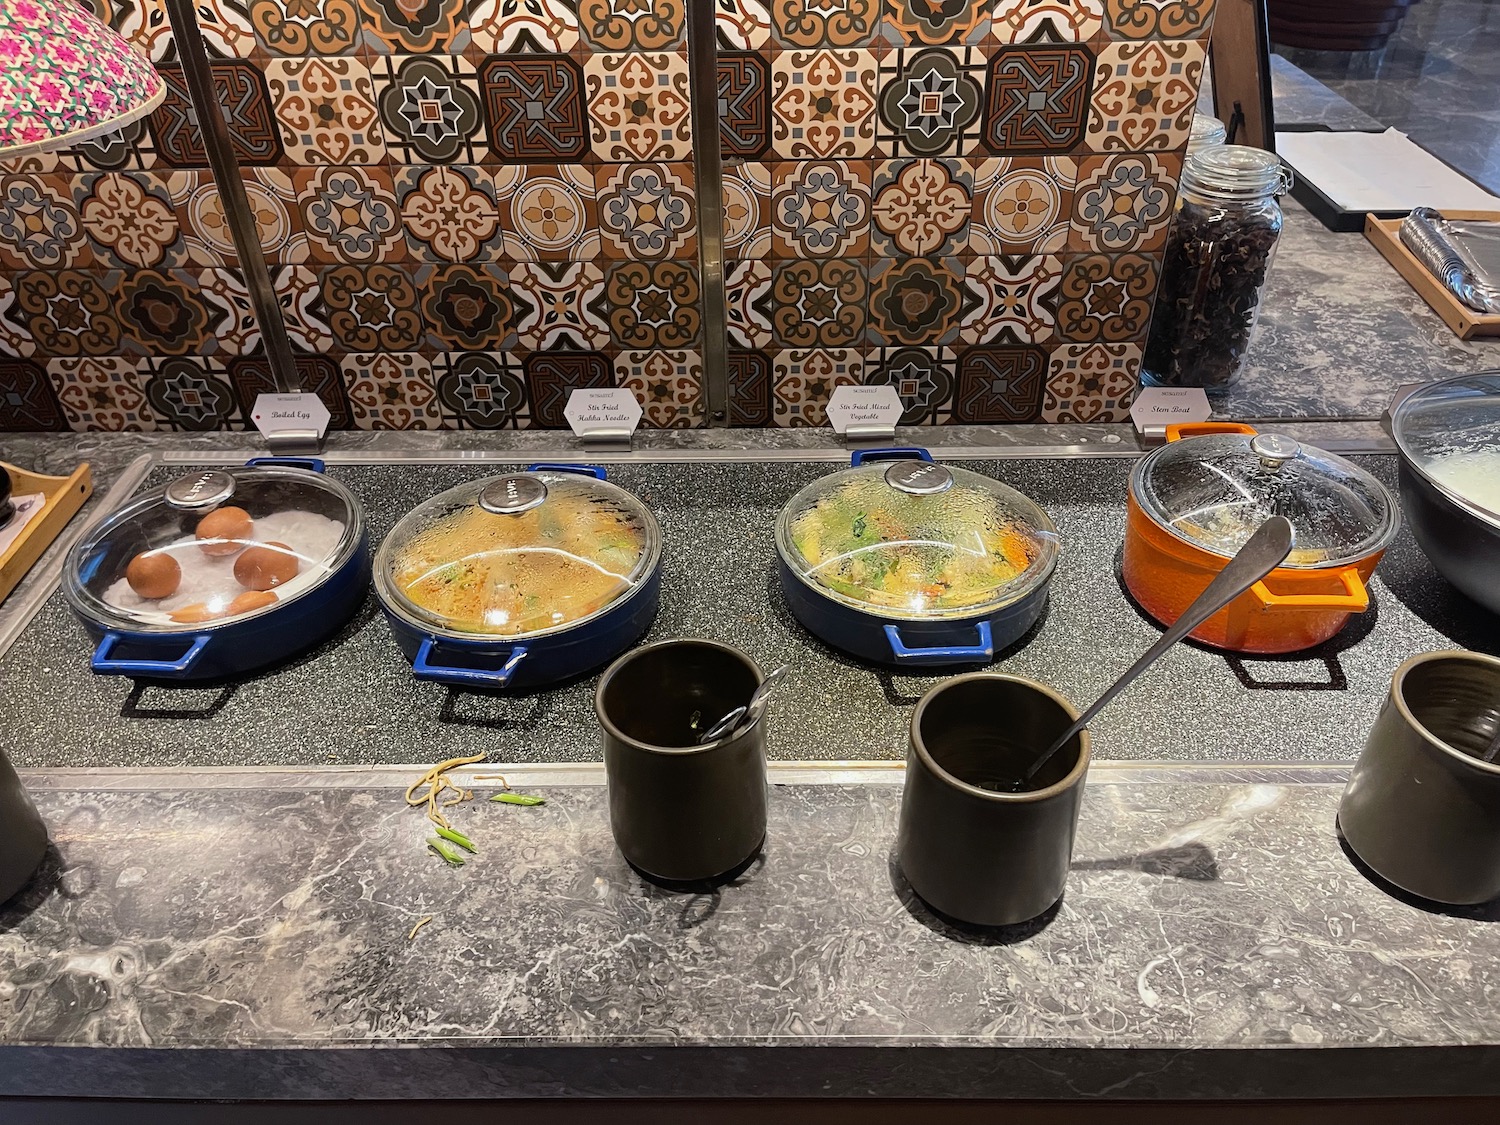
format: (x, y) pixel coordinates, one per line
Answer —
(1473, 476)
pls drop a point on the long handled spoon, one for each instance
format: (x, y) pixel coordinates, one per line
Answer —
(746, 715)
(1262, 553)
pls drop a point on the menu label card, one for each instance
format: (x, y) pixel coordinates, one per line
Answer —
(606, 410)
(1156, 407)
(275, 414)
(878, 405)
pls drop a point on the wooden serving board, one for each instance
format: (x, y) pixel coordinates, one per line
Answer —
(65, 495)
(1465, 322)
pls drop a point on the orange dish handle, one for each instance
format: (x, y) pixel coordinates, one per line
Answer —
(1178, 430)
(1355, 598)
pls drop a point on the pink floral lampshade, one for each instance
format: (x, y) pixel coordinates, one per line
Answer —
(66, 77)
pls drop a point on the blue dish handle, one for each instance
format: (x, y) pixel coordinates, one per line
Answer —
(103, 665)
(943, 654)
(315, 464)
(581, 470)
(425, 669)
(894, 453)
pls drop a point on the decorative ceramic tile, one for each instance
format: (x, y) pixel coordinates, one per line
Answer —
(1124, 202)
(391, 391)
(668, 384)
(40, 227)
(647, 211)
(921, 207)
(306, 27)
(931, 22)
(823, 104)
(429, 107)
(653, 305)
(631, 25)
(552, 376)
(1000, 385)
(326, 109)
(1038, 101)
(226, 27)
(1022, 204)
(244, 99)
(825, 23)
(923, 377)
(750, 376)
(744, 104)
(805, 379)
(480, 390)
(817, 303)
(742, 24)
(930, 100)
(129, 148)
(1144, 95)
(15, 336)
(548, 212)
(251, 377)
(918, 301)
(190, 393)
(1106, 297)
(372, 307)
(747, 210)
(638, 107)
(1092, 382)
(29, 402)
(536, 108)
(1158, 19)
(236, 327)
(467, 306)
(449, 212)
(748, 287)
(102, 393)
(225, 24)
(1016, 298)
(350, 214)
(416, 28)
(559, 305)
(272, 196)
(130, 219)
(1047, 21)
(69, 312)
(502, 27)
(301, 293)
(820, 209)
(163, 312)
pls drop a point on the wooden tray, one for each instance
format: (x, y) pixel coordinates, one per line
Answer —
(65, 495)
(1465, 322)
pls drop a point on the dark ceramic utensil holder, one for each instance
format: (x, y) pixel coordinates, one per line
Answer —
(978, 856)
(1421, 808)
(23, 836)
(680, 812)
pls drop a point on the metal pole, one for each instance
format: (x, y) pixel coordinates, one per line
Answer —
(703, 80)
(226, 173)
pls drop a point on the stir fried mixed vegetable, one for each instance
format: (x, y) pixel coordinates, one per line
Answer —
(910, 552)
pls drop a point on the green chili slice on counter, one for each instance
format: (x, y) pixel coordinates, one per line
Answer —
(518, 799)
(445, 851)
(457, 837)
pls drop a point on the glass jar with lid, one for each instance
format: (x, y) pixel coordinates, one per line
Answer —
(1218, 257)
(1207, 132)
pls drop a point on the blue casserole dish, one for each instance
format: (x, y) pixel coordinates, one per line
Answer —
(904, 562)
(164, 601)
(521, 580)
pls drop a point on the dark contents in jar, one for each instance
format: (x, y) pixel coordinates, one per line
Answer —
(1216, 263)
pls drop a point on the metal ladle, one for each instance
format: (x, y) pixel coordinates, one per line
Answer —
(1262, 553)
(747, 715)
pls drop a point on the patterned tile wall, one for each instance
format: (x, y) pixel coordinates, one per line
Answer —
(472, 207)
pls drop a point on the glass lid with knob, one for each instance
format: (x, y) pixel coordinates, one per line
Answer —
(1214, 491)
(517, 555)
(213, 547)
(1450, 432)
(917, 539)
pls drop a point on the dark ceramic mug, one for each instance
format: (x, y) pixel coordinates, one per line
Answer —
(1421, 808)
(681, 812)
(23, 836)
(974, 854)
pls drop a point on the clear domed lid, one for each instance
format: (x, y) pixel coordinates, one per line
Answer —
(1216, 490)
(1450, 431)
(213, 547)
(517, 555)
(917, 539)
